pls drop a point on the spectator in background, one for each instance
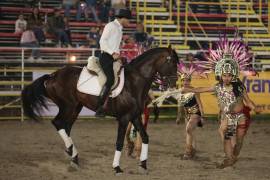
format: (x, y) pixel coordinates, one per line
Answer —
(130, 49)
(36, 22)
(67, 5)
(81, 8)
(105, 6)
(93, 38)
(28, 39)
(31, 3)
(100, 31)
(142, 37)
(189, 58)
(200, 55)
(85, 7)
(67, 29)
(20, 24)
(118, 4)
(56, 27)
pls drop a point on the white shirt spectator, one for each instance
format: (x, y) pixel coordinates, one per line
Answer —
(111, 37)
(20, 25)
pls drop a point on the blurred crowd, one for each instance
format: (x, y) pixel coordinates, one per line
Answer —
(40, 29)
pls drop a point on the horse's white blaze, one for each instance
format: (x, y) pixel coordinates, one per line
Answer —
(65, 138)
(144, 152)
(116, 159)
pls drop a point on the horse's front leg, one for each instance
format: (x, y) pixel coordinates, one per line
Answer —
(122, 127)
(145, 140)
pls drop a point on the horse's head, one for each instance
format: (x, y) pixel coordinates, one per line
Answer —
(161, 61)
(166, 66)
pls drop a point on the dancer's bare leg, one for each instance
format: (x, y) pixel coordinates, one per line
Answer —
(190, 127)
(222, 129)
(129, 142)
(228, 145)
(240, 134)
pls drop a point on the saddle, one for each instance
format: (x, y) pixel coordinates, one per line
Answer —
(95, 69)
(92, 78)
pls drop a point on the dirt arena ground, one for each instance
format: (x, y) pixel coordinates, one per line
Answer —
(31, 151)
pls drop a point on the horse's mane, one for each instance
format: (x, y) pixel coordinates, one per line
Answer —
(175, 56)
(143, 56)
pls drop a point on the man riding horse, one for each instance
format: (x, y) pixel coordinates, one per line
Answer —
(110, 47)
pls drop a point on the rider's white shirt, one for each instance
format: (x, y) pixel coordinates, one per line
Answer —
(111, 37)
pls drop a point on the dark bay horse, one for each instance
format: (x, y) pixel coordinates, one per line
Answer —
(61, 88)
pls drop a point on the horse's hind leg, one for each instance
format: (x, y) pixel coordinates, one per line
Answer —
(63, 123)
(72, 151)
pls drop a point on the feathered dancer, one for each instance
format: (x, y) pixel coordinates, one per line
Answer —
(227, 60)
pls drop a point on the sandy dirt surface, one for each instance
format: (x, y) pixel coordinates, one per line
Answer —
(32, 151)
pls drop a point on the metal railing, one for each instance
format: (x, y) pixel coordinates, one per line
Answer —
(236, 9)
(14, 72)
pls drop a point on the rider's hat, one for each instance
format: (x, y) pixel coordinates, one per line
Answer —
(122, 13)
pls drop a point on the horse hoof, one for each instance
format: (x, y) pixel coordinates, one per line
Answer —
(74, 163)
(142, 170)
(118, 171)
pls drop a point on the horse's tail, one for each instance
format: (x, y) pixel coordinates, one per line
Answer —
(33, 97)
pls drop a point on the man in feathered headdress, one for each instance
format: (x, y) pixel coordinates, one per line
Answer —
(227, 61)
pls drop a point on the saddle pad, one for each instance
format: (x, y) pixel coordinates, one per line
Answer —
(93, 65)
(89, 84)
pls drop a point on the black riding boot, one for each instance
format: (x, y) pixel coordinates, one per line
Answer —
(102, 98)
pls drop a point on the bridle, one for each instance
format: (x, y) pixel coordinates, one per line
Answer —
(168, 59)
(168, 78)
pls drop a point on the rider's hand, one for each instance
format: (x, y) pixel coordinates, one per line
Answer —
(115, 56)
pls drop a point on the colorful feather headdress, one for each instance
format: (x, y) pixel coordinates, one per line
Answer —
(186, 71)
(228, 57)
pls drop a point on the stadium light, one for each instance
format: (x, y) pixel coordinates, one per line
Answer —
(72, 58)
